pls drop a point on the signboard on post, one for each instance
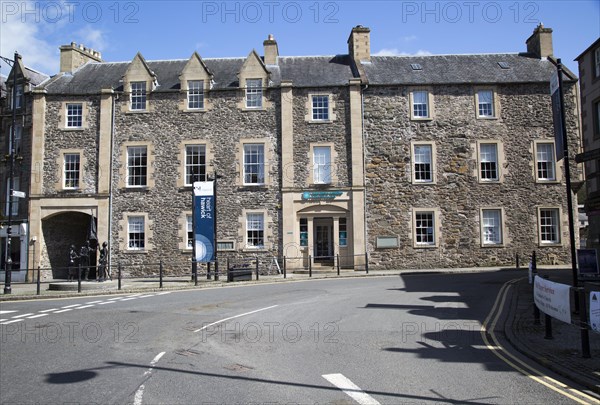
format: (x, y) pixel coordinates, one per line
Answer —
(203, 224)
(557, 117)
(552, 299)
(588, 263)
(595, 311)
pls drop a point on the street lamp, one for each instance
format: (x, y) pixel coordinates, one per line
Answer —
(11, 175)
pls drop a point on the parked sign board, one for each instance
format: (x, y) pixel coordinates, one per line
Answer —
(587, 261)
(552, 298)
(595, 311)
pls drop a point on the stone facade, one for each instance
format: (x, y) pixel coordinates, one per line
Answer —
(337, 139)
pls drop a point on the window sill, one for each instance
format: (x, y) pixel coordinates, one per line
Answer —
(424, 183)
(146, 111)
(73, 129)
(255, 250)
(492, 245)
(194, 110)
(485, 118)
(425, 246)
(550, 245)
(547, 181)
(135, 189)
(489, 181)
(318, 122)
(249, 109)
(419, 119)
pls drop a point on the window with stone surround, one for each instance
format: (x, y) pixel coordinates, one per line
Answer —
(16, 139)
(195, 94)
(488, 162)
(254, 93)
(549, 226)
(74, 115)
(189, 232)
(322, 164)
(545, 162)
(137, 166)
(491, 227)
(320, 107)
(71, 171)
(485, 103)
(420, 106)
(343, 232)
(195, 163)
(254, 163)
(20, 97)
(136, 233)
(423, 158)
(255, 230)
(138, 96)
(425, 227)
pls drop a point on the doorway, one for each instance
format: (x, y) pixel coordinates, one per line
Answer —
(323, 233)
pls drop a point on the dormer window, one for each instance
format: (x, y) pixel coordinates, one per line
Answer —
(253, 93)
(19, 97)
(138, 96)
(195, 94)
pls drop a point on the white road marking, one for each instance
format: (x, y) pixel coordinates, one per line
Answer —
(350, 389)
(22, 315)
(139, 394)
(2, 320)
(93, 302)
(6, 312)
(64, 310)
(106, 302)
(129, 299)
(37, 316)
(163, 293)
(233, 317)
(116, 298)
(13, 321)
(72, 306)
(49, 310)
(85, 306)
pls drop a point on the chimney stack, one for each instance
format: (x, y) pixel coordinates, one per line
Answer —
(359, 44)
(539, 44)
(73, 56)
(271, 50)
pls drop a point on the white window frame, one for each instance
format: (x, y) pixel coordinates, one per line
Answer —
(139, 93)
(195, 95)
(322, 164)
(254, 93)
(545, 161)
(255, 230)
(253, 168)
(190, 164)
(485, 158)
(74, 115)
(320, 107)
(418, 217)
(70, 173)
(142, 167)
(343, 232)
(416, 100)
(416, 160)
(545, 228)
(136, 225)
(485, 104)
(492, 220)
(189, 232)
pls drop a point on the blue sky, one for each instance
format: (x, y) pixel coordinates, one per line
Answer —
(175, 29)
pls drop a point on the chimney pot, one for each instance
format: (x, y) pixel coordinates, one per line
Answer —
(539, 44)
(271, 50)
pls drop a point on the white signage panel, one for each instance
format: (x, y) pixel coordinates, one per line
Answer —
(595, 311)
(552, 299)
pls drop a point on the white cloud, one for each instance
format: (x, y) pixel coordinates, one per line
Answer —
(27, 37)
(396, 52)
(92, 38)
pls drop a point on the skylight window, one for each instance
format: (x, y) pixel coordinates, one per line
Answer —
(416, 66)
(504, 65)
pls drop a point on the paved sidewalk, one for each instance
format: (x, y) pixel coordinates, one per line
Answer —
(562, 354)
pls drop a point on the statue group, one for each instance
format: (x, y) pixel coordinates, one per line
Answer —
(82, 261)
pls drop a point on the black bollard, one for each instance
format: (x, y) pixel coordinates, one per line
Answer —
(119, 276)
(160, 274)
(338, 264)
(79, 278)
(284, 268)
(38, 281)
(309, 266)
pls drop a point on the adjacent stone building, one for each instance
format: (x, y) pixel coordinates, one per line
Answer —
(398, 162)
(589, 73)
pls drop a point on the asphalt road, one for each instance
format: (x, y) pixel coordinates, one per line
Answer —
(388, 340)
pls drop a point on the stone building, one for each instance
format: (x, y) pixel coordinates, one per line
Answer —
(401, 162)
(589, 73)
(21, 245)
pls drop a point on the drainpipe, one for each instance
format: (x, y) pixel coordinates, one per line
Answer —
(362, 127)
(110, 183)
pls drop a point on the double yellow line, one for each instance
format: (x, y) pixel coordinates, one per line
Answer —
(487, 333)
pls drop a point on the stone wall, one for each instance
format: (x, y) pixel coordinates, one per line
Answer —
(223, 126)
(525, 115)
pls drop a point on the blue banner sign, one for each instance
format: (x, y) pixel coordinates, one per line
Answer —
(321, 195)
(204, 221)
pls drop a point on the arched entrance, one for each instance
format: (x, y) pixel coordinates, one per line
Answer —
(60, 231)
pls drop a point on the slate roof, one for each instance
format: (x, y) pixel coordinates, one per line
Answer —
(458, 69)
(35, 78)
(322, 71)
(2, 86)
